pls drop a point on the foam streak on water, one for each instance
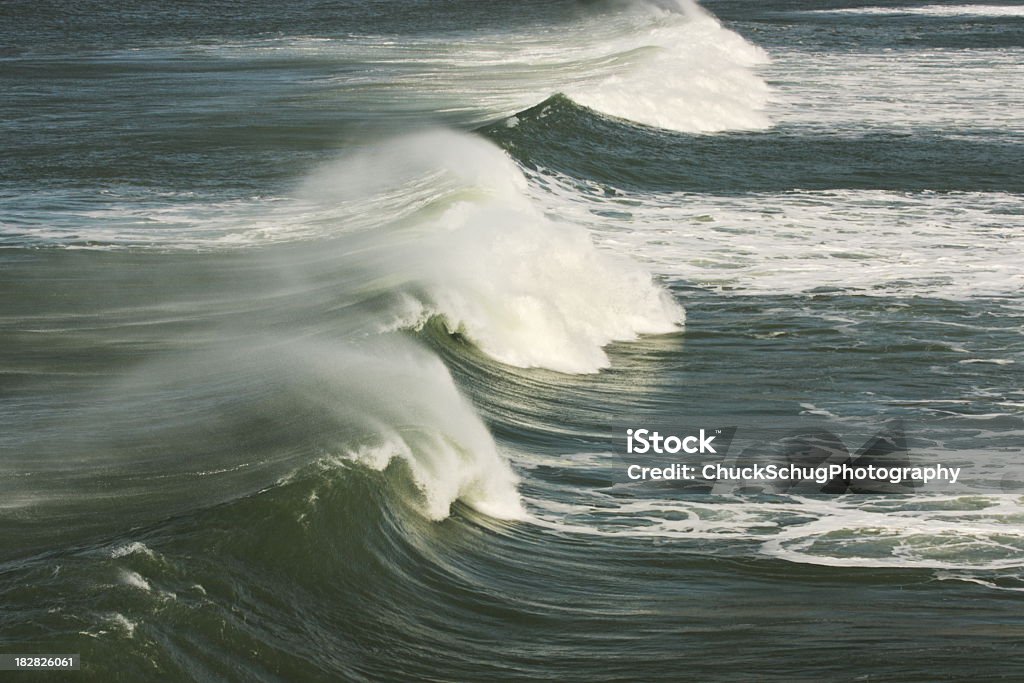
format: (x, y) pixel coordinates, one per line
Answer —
(955, 245)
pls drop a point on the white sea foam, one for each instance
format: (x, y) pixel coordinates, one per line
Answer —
(933, 10)
(955, 245)
(120, 621)
(135, 580)
(447, 218)
(955, 91)
(683, 72)
(945, 533)
(966, 534)
(952, 245)
(482, 229)
(133, 548)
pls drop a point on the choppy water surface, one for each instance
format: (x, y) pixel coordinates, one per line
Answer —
(316, 321)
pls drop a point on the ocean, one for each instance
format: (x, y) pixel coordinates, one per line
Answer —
(321, 322)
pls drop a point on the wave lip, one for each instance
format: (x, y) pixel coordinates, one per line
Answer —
(668, 64)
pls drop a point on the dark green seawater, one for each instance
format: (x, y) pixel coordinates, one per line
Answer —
(319, 321)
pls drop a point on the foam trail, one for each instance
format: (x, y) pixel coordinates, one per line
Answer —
(528, 291)
(874, 242)
(935, 532)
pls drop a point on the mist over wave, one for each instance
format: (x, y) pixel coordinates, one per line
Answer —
(684, 71)
(666, 64)
(528, 291)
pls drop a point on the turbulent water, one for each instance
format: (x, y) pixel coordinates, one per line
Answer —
(317, 319)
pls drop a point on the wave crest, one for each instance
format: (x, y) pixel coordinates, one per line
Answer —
(529, 291)
(681, 70)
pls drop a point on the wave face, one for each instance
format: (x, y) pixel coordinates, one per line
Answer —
(670, 64)
(318, 323)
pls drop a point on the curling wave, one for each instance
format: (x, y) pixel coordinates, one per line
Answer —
(668, 64)
(477, 253)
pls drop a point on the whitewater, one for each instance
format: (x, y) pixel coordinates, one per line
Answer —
(318, 325)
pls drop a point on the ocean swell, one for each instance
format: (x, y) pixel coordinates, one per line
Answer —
(529, 291)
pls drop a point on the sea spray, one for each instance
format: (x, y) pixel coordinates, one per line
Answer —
(225, 421)
(681, 71)
(529, 291)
